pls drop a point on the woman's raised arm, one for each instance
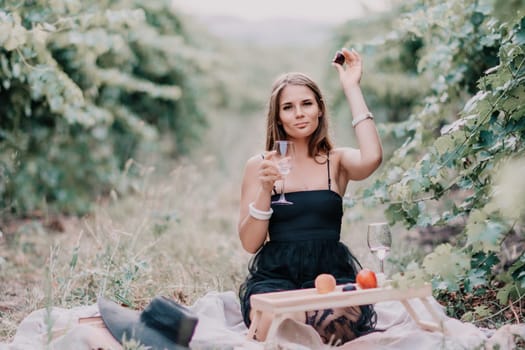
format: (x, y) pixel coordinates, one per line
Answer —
(358, 163)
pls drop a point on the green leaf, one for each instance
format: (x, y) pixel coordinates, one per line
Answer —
(484, 261)
(477, 18)
(503, 293)
(74, 258)
(465, 183)
(444, 144)
(424, 220)
(16, 38)
(486, 139)
(394, 213)
(514, 99)
(413, 276)
(377, 193)
(475, 278)
(520, 32)
(485, 235)
(447, 265)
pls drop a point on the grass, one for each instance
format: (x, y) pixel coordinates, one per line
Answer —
(175, 236)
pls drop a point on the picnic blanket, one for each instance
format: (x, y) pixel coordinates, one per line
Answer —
(221, 327)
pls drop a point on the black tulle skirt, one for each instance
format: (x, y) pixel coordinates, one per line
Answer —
(280, 266)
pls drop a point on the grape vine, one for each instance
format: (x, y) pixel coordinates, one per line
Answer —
(82, 85)
(463, 147)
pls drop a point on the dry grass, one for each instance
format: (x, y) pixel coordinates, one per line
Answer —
(176, 236)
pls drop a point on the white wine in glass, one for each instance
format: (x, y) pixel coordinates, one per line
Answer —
(285, 152)
(379, 241)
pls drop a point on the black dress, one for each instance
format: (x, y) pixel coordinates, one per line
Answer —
(304, 242)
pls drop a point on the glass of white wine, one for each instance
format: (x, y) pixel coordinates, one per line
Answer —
(285, 152)
(379, 241)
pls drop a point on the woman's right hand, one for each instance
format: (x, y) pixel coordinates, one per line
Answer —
(268, 172)
(257, 185)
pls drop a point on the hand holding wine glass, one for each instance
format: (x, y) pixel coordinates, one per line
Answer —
(379, 241)
(284, 155)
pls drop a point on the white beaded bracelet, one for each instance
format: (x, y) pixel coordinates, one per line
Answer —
(362, 117)
(259, 214)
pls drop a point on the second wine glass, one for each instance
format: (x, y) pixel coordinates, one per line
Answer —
(285, 152)
(379, 241)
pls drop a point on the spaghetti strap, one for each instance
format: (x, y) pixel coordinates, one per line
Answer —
(328, 167)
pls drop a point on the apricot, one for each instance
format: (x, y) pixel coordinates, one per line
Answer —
(366, 279)
(325, 283)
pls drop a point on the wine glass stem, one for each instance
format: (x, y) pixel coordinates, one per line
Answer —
(381, 266)
(282, 190)
(281, 197)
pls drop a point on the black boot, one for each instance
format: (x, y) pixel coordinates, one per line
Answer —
(164, 324)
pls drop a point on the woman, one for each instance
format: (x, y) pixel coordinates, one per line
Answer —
(295, 243)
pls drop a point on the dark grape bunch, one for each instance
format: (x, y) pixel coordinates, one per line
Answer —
(339, 58)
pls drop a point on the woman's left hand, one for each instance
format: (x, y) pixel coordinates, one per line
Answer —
(350, 73)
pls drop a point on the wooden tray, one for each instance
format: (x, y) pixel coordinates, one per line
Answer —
(281, 303)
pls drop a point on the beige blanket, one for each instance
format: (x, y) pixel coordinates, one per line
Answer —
(220, 327)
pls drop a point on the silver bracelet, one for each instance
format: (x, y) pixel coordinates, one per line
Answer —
(362, 117)
(259, 214)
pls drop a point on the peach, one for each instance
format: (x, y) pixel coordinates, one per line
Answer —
(325, 283)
